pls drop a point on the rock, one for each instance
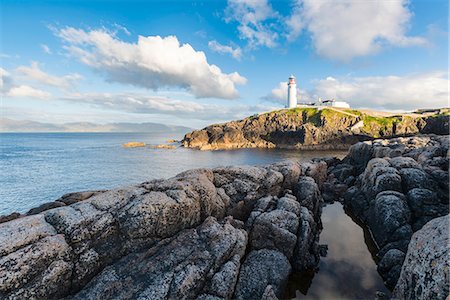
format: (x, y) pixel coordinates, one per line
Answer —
(307, 252)
(261, 269)
(310, 128)
(9, 217)
(389, 169)
(178, 268)
(44, 207)
(308, 194)
(72, 198)
(390, 212)
(276, 230)
(133, 144)
(390, 266)
(415, 178)
(41, 269)
(425, 274)
(163, 146)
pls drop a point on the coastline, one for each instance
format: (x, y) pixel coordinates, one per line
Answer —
(241, 203)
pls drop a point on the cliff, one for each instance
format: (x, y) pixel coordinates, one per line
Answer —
(313, 128)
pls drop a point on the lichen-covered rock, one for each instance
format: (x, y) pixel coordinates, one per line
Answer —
(402, 184)
(261, 269)
(190, 264)
(425, 272)
(104, 244)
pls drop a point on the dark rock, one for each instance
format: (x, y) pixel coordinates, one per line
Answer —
(390, 212)
(44, 207)
(262, 268)
(9, 217)
(416, 178)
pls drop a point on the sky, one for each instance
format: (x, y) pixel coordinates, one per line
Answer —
(193, 63)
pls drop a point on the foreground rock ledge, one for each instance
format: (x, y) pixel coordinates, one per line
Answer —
(235, 232)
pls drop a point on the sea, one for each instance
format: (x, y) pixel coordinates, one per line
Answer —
(40, 167)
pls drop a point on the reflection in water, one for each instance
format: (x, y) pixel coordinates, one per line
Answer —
(348, 271)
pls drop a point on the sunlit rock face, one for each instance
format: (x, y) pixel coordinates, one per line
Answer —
(425, 273)
(396, 187)
(217, 233)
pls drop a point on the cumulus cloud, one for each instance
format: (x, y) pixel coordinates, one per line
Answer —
(145, 104)
(34, 73)
(152, 62)
(224, 49)
(428, 90)
(26, 91)
(389, 92)
(341, 30)
(255, 21)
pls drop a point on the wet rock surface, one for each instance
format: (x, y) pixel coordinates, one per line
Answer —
(400, 184)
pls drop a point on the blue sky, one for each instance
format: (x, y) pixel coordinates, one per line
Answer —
(198, 62)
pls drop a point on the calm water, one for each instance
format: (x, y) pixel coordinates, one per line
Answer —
(348, 271)
(40, 167)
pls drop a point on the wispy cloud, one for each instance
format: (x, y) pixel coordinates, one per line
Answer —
(224, 49)
(46, 49)
(153, 62)
(34, 73)
(145, 104)
(26, 91)
(254, 18)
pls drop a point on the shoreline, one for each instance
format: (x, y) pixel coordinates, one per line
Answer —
(243, 203)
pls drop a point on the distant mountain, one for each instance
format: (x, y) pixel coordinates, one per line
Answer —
(10, 125)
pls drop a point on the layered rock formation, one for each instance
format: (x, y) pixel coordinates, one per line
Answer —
(394, 187)
(224, 233)
(311, 128)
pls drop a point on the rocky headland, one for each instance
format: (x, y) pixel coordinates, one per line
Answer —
(236, 232)
(315, 129)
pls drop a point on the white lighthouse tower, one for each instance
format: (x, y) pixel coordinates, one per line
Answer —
(292, 92)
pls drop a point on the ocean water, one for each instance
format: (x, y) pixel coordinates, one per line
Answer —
(41, 167)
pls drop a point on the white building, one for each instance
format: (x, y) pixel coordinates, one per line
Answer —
(292, 93)
(292, 98)
(334, 103)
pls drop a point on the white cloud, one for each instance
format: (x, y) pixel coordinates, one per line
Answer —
(341, 30)
(46, 49)
(389, 92)
(428, 90)
(36, 74)
(153, 62)
(223, 49)
(254, 18)
(145, 104)
(25, 91)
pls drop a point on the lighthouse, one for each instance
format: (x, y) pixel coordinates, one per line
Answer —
(292, 93)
